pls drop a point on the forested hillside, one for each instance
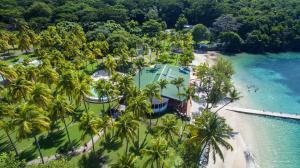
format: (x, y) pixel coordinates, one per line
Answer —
(250, 25)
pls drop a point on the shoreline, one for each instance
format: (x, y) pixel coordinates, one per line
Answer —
(241, 156)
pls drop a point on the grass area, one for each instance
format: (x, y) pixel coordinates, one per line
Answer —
(52, 143)
(14, 59)
(91, 67)
(109, 149)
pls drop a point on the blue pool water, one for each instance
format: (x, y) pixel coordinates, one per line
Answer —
(271, 82)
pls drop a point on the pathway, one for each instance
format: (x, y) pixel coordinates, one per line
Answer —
(264, 113)
(80, 150)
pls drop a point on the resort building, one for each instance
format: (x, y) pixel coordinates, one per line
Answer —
(170, 98)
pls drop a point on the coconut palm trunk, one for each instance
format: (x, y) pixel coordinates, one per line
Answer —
(139, 79)
(93, 142)
(138, 136)
(201, 152)
(150, 113)
(66, 127)
(12, 143)
(127, 142)
(39, 148)
(85, 107)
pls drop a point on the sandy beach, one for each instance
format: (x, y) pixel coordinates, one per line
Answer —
(240, 157)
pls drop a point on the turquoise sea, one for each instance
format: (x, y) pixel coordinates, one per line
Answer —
(270, 82)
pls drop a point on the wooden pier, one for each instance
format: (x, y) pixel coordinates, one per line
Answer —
(264, 113)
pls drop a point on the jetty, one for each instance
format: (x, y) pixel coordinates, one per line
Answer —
(264, 113)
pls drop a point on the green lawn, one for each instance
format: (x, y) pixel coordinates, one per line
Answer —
(12, 60)
(52, 144)
(110, 150)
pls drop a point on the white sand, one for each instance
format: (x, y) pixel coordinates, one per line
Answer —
(237, 158)
(240, 157)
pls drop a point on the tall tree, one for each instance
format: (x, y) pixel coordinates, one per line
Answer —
(156, 152)
(140, 106)
(140, 63)
(210, 131)
(61, 109)
(125, 161)
(89, 124)
(178, 82)
(7, 72)
(31, 121)
(101, 93)
(110, 64)
(41, 95)
(126, 126)
(200, 33)
(6, 116)
(67, 83)
(82, 90)
(233, 96)
(152, 91)
(168, 129)
(20, 88)
(48, 76)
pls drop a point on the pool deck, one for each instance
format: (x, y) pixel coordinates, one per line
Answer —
(264, 113)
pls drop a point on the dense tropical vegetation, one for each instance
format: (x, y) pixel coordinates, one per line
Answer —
(255, 25)
(50, 49)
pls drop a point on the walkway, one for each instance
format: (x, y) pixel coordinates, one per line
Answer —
(80, 150)
(264, 113)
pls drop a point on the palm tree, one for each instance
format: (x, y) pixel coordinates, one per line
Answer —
(89, 124)
(105, 124)
(210, 131)
(82, 90)
(126, 126)
(67, 84)
(31, 121)
(111, 92)
(125, 161)
(48, 76)
(31, 73)
(189, 94)
(7, 126)
(6, 113)
(152, 91)
(234, 95)
(110, 64)
(168, 129)
(20, 88)
(7, 72)
(126, 85)
(41, 95)
(100, 90)
(162, 85)
(61, 109)
(140, 106)
(178, 82)
(156, 152)
(140, 63)
(122, 53)
(24, 41)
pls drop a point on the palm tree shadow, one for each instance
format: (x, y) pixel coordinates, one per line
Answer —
(5, 146)
(28, 154)
(54, 139)
(110, 143)
(67, 147)
(136, 150)
(93, 160)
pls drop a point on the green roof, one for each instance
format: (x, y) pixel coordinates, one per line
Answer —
(169, 72)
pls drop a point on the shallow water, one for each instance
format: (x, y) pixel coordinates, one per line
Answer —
(270, 82)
